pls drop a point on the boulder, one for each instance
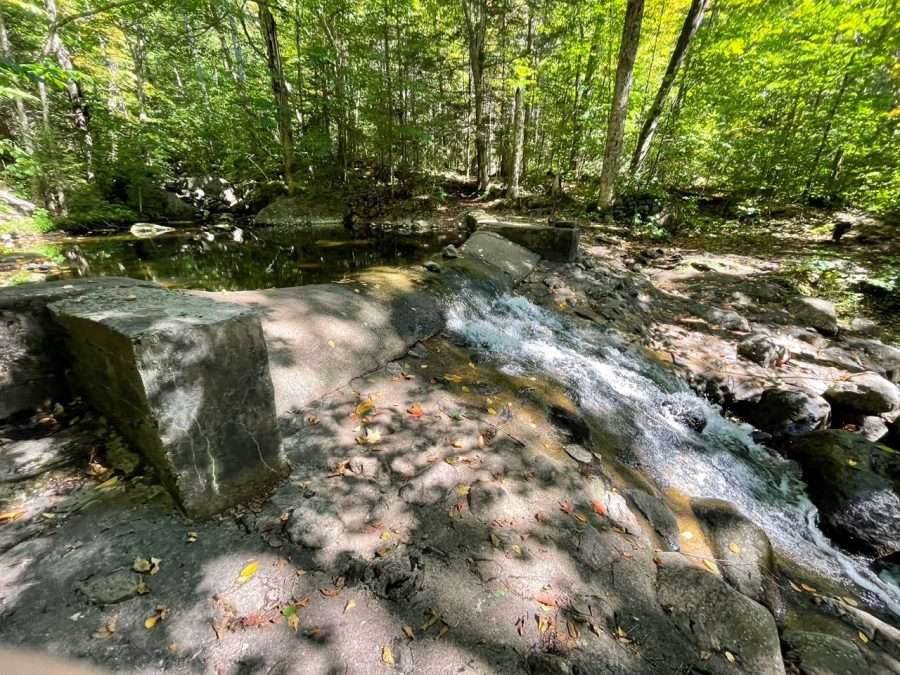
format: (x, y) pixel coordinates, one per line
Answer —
(514, 262)
(786, 412)
(186, 381)
(297, 212)
(32, 356)
(559, 244)
(853, 483)
(763, 350)
(727, 319)
(881, 358)
(866, 393)
(658, 514)
(815, 313)
(814, 653)
(718, 619)
(743, 552)
(478, 218)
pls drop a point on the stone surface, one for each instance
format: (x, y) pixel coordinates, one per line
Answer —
(294, 212)
(322, 336)
(108, 589)
(822, 654)
(579, 454)
(763, 350)
(25, 458)
(559, 244)
(815, 313)
(853, 482)
(883, 359)
(659, 515)
(743, 552)
(185, 380)
(513, 261)
(866, 393)
(718, 618)
(32, 358)
(786, 412)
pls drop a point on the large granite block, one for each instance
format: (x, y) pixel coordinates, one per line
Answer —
(552, 242)
(514, 262)
(32, 355)
(186, 380)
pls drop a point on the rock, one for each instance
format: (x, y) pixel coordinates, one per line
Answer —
(853, 483)
(658, 514)
(314, 523)
(815, 653)
(430, 486)
(786, 412)
(743, 552)
(559, 244)
(26, 458)
(718, 619)
(866, 393)
(511, 261)
(873, 428)
(153, 202)
(295, 212)
(882, 358)
(32, 355)
(478, 218)
(727, 319)
(815, 313)
(322, 336)
(686, 410)
(763, 350)
(186, 382)
(450, 251)
(147, 230)
(397, 577)
(432, 266)
(579, 454)
(111, 588)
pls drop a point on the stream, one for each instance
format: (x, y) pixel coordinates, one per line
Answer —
(642, 406)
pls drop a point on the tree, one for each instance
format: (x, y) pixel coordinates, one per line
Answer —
(691, 24)
(279, 91)
(615, 128)
(476, 30)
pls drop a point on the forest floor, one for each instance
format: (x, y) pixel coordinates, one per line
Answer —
(460, 537)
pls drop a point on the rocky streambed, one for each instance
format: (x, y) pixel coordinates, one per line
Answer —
(531, 489)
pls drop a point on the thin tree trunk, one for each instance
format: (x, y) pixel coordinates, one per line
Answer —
(518, 143)
(615, 129)
(279, 91)
(476, 29)
(22, 124)
(691, 24)
(826, 132)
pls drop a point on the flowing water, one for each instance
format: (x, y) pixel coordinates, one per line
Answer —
(642, 405)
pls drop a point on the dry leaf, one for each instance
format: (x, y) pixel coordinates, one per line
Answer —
(545, 599)
(598, 507)
(248, 572)
(729, 656)
(581, 518)
(734, 548)
(107, 630)
(10, 516)
(192, 537)
(415, 410)
(807, 588)
(409, 632)
(566, 506)
(463, 490)
(365, 407)
(350, 605)
(456, 379)
(293, 622)
(491, 411)
(709, 565)
(387, 655)
(150, 621)
(863, 638)
(370, 437)
(543, 624)
(794, 586)
(387, 535)
(141, 565)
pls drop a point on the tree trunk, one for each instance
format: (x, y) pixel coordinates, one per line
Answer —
(615, 129)
(22, 125)
(279, 91)
(476, 29)
(829, 123)
(691, 24)
(518, 143)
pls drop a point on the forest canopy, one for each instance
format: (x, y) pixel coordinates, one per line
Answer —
(789, 99)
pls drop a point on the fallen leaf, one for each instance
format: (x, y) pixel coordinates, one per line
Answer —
(350, 605)
(415, 410)
(457, 443)
(463, 490)
(852, 463)
(409, 632)
(248, 572)
(807, 588)
(192, 537)
(709, 565)
(107, 630)
(566, 506)
(495, 541)
(545, 599)
(456, 379)
(150, 621)
(387, 655)
(10, 516)
(161, 613)
(598, 507)
(863, 638)
(141, 565)
(293, 622)
(729, 656)
(370, 437)
(543, 624)
(387, 535)
(581, 518)
(331, 344)
(850, 601)
(491, 411)
(108, 484)
(794, 586)
(734, 548)
(365, 407)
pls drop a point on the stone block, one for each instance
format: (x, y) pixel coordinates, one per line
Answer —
(185, 379)
(551, 242)
(32, 357)
(515, 262)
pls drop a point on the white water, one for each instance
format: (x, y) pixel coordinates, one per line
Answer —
(633, 398)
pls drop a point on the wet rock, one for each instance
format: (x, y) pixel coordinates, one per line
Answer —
(658, 514)
(432, 266)
(579, 454)
(786, 412)
(161, 366)
(686, 410)
(867, 393)
(512, 261)
(450, 251)
(615, 507)
(572, 423)
(111, 588)
(430, 486)
(743, 552)
(872, 428)
(853, 483)
(815, 313)
(763, 350)
(717, 618)
(815, 653)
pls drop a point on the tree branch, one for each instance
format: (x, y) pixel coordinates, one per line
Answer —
(92, 12)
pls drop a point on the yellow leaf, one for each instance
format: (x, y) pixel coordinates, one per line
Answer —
(794, 586)
(491, 411)
(708, 565)
(850, 601)
(409, 632)
(108, 484)
(457, 443)
(734, 548)
(248, 571)
(729, 656)
(387, 535)
(350, 605)
(10, 516)
(463, 490)
(456, 379)
(293, 622)
(365, 407)
(807, 588)
(150, 621)
(465, 389)
(863, 638)
(387, 655)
